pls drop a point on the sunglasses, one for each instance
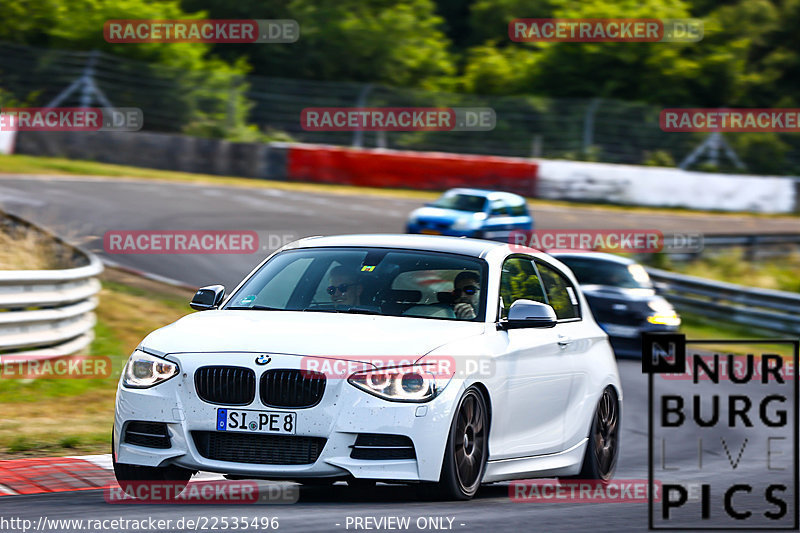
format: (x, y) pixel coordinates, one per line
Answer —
(342, 288)
(469, 290)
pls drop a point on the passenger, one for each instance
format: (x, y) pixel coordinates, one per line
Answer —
(466, 295)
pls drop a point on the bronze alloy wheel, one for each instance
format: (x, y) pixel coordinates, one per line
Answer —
(469, 441)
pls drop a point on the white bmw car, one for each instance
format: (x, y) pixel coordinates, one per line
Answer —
(442, 361)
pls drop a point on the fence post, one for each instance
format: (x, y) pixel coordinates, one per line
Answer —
(86, 84)
(588, 125)
(358, 135)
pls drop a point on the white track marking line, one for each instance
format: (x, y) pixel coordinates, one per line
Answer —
(101, 460)
(7, 491)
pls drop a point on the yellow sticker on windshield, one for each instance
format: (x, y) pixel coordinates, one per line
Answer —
(366, 268)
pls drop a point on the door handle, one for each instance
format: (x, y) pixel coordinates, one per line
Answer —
(563, 340)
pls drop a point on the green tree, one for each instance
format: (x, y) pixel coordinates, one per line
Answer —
(394, 42)
(196, 87)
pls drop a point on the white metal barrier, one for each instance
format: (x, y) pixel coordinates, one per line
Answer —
(49, 312)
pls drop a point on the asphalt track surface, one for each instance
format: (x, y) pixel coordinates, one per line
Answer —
(83, 209)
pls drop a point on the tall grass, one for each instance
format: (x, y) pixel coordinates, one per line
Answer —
(779, 273)
(25, 248)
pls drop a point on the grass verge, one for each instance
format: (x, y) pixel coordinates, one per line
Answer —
(50, 417)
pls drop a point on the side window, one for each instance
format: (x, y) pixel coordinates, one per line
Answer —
(519, 210)
(519, 281)
(560, 292)
(278, 290)
(498, 208)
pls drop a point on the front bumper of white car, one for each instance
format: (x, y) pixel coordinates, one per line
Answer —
(326, 436)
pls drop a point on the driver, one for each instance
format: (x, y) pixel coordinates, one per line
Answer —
(344, 287)
(466, 295)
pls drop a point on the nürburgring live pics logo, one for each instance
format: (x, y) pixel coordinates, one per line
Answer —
(722, 433)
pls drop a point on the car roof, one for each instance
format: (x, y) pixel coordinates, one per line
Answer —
(593, 256)
(428, 243)
(492, 195)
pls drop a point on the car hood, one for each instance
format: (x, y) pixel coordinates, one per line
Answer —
(611, 292)
(309, 333)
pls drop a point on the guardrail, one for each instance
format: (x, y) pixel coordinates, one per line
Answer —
(756, 245)
(48, 313)
(764, 309)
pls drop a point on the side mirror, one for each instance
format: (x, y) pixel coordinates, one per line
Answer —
(529, 314)
(208, 298)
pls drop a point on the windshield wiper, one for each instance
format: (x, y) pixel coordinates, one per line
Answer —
(256, 307)
(351, 310)
(360, 311)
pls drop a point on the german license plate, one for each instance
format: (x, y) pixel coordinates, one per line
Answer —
(277, 422)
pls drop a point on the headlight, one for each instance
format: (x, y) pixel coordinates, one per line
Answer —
(144, 370)
(401, 384)
(664, 314)
(640, 274)
(466, 223)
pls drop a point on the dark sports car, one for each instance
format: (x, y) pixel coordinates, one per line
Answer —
(622, 298)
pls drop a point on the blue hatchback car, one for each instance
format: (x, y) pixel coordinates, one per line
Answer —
(472, 213)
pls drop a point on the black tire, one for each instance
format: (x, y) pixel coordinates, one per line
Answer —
(129, 476)
(466, 451)
(602, 450)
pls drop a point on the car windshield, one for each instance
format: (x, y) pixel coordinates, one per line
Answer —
(378, 281)
(594, 272)
(461, 202)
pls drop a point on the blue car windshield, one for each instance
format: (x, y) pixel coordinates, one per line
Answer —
(591, 272)
(375, 281)
(461, 202)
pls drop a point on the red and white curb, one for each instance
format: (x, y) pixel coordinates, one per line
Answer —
(39, 475)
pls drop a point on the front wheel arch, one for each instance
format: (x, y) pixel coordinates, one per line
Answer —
(592, 467)
(463, 455)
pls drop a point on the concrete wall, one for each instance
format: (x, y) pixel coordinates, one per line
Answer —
(7, 139)
(672, 187)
